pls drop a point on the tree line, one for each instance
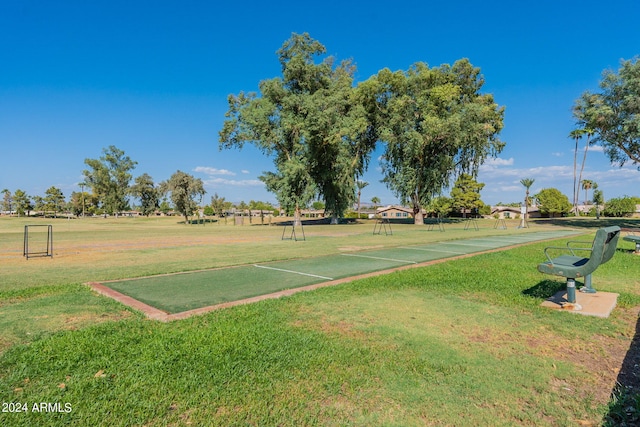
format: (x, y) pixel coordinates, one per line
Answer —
(320, 127)
(109, 180)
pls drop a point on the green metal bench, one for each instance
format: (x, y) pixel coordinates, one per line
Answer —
(632, 237)
(574, 266)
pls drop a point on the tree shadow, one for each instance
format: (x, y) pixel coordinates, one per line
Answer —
(316, 221)
(624, 404)
(590, 222)
(199, 221)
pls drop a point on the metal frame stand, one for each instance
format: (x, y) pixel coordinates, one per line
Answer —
(437, 224)
(293, 236)
(48, 252)
(471, 222)
(500, 224)
(380, 224)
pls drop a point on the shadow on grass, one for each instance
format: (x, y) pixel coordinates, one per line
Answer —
(590, 222)
(624, 406)
(545, 289)
(316, 221)
(200, 221)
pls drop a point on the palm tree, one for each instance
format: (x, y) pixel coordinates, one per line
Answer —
(375, 200)
(527, 182)
(588, 132)
(576, 134)
(586, 186)
(360, 185)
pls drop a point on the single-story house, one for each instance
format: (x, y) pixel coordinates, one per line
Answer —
(395, 212)
(513, 212)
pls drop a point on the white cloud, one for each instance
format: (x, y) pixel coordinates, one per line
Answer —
(557, 154)
(509, 188)
(491, 162)
(222, 182)
(245, 171)
(213, 171)
(592, 148)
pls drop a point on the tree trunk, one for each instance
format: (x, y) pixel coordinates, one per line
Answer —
(418, 216)
(297, 222)
(575, 183)
(584, 159)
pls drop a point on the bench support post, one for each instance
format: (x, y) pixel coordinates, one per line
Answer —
(571, 291)
(587, 288)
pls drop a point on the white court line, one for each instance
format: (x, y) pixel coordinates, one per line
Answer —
(506, 240)
(453, 242)
(291, 271)
(432, 250)
(385, 259)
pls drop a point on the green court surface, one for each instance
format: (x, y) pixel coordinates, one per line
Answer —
(177, 293)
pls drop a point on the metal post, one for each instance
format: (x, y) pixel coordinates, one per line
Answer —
(587, 288)
(571, 291)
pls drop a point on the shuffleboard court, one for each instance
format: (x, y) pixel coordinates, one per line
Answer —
(187, 291)
(183, 292)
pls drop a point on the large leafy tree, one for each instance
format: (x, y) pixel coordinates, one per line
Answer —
(465, 194)
(620, 207)
(310, 122)
(54, 200)
(7, 201)
(22, 202)
(218, 204)
(149, 195)
(613, 113)
(82, 203)
(184, 189)
(436, 124)
(109, 178)
(439, 206)
(552, 202)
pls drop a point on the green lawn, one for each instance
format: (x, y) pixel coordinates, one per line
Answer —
(459, 343)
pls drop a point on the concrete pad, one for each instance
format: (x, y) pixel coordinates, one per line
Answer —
(600, 304)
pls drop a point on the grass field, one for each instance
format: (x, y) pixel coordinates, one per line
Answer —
(463, 342)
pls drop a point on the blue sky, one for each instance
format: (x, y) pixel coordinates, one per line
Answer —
(152, 78)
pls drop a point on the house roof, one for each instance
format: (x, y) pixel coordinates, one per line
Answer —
(395, 207)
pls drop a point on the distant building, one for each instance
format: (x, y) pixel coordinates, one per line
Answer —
(395, 212)
(513, 212)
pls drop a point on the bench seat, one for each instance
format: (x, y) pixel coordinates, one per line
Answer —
(565, 265)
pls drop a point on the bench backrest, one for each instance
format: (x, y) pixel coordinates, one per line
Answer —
(605, 243)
